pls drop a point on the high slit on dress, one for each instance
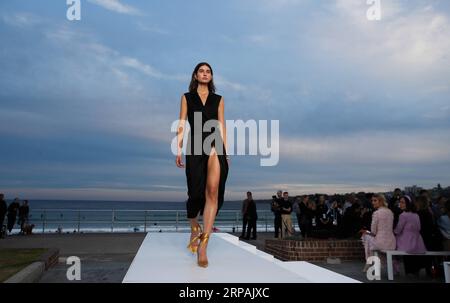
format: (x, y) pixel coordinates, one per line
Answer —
(197, 164)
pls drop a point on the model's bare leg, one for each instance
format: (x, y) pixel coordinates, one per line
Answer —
(211, 204)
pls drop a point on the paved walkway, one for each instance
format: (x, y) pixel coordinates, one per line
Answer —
(104, 257)
(74, 244)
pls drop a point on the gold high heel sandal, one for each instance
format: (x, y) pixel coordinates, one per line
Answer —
(191, 246)
(204, 237)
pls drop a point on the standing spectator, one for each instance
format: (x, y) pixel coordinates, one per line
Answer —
(438, 207)
(367, 201)
(324, 199)
(394, 201)
(361, 198)
(324, 221)
(244, 214)
(252, 217)
(380, 235)
(306, 215)
(313, 210)
(349, 201)
(296, 209)
(430, 232)
(394, 205)
(408, 235)
(444, 226)
(352, 217)
(366, 213)
(286, 209)
(12, 213)
(276, 209)
(3, 209)
(427, 195)
(24, 210)
(335, 214)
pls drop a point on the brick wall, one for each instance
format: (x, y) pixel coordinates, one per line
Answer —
(314, 249)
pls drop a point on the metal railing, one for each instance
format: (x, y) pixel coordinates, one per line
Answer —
(125, 220)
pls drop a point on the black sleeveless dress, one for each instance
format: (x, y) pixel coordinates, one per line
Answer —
(197, 163)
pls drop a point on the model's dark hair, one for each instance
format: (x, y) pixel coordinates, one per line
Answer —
(421, 203)
(409, 204)
(194, 83)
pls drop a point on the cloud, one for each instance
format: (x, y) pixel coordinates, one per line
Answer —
(264, 189)
(271, 6)
(326, 188)
(115, 77)
(259, 38)
(117, 6)
(411, 42)
(141, 67)
(352, 97)
(80, 193)
(380, 88)
(12, 122)
(374, 147)
(21, 19)
(84, 85)
(440, 113)
(164, 186)
(152, 29)
(356, 10)
(226, 84)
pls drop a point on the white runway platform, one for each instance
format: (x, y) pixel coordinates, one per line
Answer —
(163, 258)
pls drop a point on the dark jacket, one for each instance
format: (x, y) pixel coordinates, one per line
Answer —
(430, 233)
(12, 209)
(3, 208)
(24, 210)
(276, 207)
(286, 204)
(306, 214)
(252, 214)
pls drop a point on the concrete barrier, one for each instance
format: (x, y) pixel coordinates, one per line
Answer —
(30, 274)
(33, 272)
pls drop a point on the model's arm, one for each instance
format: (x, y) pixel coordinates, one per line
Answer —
(374, 225)
(222, 128)
(181, 124)
(400, 225)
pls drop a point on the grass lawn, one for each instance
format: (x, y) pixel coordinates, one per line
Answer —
(14, 260)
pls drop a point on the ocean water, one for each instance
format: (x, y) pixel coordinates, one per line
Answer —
(70, 216)
(119, 205)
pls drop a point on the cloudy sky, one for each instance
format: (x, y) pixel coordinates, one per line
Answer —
(86, 107)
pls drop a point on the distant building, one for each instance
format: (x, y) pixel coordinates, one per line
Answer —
(412, 190)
